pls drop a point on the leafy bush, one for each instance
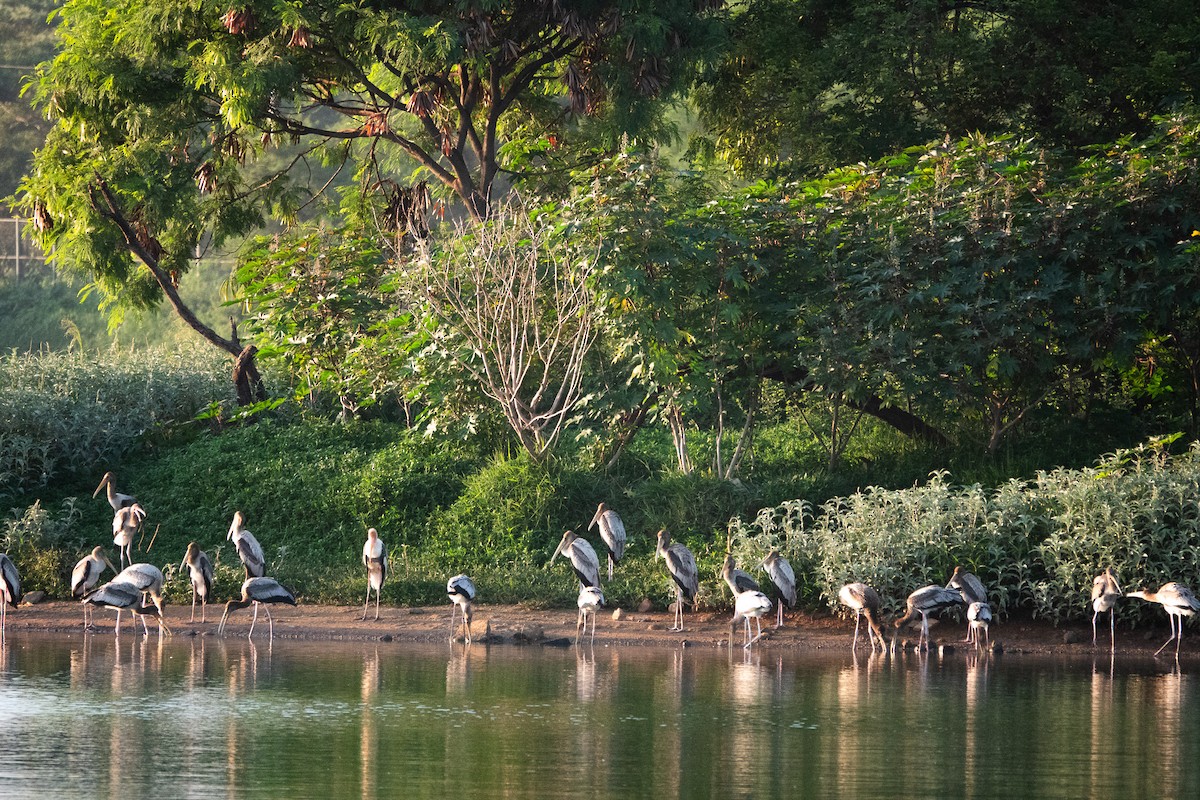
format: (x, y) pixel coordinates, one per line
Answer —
(41, 545)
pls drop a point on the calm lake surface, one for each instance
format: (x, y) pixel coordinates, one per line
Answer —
(87, 716)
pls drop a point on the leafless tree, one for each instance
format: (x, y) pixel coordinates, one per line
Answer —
(516, 311)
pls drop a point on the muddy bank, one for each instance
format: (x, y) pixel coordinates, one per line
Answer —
(520, 625)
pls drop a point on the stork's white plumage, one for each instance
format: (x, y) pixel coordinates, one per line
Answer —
(374, 558)
(1106, 593)
(1178, 601)
(147, 578)
(612, 532)
(86, 575)
(681, 564)
(979, 616)
(200, 571)
(115, 498)
(866, 603)
(126, 522)
(751, 604)
(582, 555)
(461, 591)
(259, 591)
(783, 578)
(590, 601)
(248, 549)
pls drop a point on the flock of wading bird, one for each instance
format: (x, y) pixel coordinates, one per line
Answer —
(135, 583)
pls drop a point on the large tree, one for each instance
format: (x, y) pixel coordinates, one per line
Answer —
(820, 84)
(169, 114)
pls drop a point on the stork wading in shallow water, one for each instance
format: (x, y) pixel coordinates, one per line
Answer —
(784, 580)
(200, 571)
(86, 575)
(583, 558)
(925, 601)
(125, 526)
(122, 595)
(1178, 601)
(147, 578)
(259, 591)
(750, 604)
(115, 498)
(461, 591)
(590, 601)
(970, 588)
(865, 602)
(979, 616)
(374, 558)
(248, 549)
(681, 564)
(1106, 593)
(612, 533)
(10, 589)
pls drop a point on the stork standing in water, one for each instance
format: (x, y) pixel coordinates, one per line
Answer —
(591, 600)
(1106, 593)
(784, 579)
(866, 603)
(751, 604)
(736, 579)
(115, 498)
(10, 589)
(86, 575)
(259, 591)
(970, 588)
(925, 601)
(374, 558)
(147, 578)
(612, 532)
(1178, 601)
(582, 556)
(120, 595)
(461, 591)
(248, 548)
(682, 566)
(126, 522)
(979, 616)
(200, 570)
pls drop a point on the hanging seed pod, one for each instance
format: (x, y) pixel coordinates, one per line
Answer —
(300, 38)
(42, 221)
(420, 104)
(238, 20)
(376, 124)
(206, 178)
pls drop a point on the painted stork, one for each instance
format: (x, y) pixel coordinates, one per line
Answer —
(1178, 601)
(751, 604)
(200, 570)
(582, 556)
(120, 595)
(737, 580)
(461, 591)
(86, 575)
(248, 548)
(590, 601)
(374, 558)
(147, 578)
(10, 587)
(979, 616)
(612, 532)
(925, 601)
(865, 602)
(784, 580)
(1106, 593)
(682, 566)
(259, 591)
(126, 522)
(115, 498)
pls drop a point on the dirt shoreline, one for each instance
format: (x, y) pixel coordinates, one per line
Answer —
(514, 624)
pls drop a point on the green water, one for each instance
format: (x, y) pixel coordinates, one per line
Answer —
(85, 716)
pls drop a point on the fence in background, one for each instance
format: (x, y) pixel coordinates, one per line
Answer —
(19, 256)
